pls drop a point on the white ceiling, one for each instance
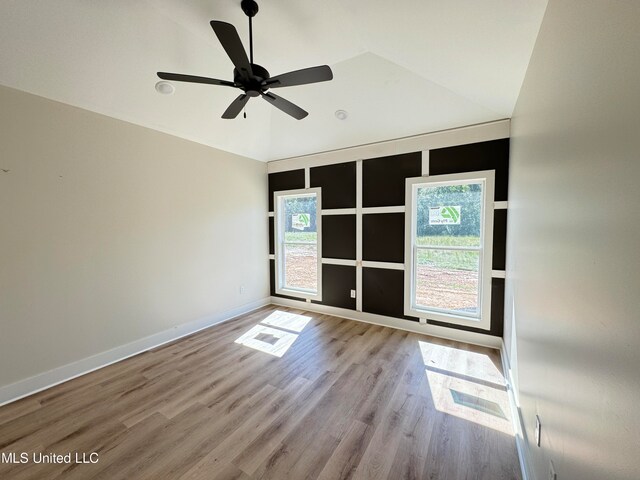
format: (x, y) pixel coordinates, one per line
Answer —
(400, 68)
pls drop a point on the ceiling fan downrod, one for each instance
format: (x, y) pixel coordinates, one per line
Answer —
(250, 9)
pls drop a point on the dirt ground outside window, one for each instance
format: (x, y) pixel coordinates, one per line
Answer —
(446, 289)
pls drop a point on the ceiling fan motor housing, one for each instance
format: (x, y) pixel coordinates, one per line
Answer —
(252, 85)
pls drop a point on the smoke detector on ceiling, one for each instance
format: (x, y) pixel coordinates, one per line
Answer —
(165, 88)
(341, 114)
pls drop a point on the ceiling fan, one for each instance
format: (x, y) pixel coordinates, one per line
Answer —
(251, 78)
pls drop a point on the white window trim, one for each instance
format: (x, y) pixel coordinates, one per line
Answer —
(279, 257)
(488, 176)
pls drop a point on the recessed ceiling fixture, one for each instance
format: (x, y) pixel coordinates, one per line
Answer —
(165, 88)
(251, 78)
(341, 114)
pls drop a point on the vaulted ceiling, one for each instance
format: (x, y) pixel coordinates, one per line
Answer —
(400, 68)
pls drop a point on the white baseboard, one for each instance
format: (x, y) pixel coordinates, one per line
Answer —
(400, 324)
(516, 416)
(29, 386)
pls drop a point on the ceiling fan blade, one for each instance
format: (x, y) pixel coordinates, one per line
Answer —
(228, 36)
(285, 105)
(321, 73)
(193, 79)
(236, 107)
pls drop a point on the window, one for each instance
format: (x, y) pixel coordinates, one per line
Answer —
(298, 224)
(449, 238)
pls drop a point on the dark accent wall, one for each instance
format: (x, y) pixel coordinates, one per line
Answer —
(383, 179)
(271, 236)
(383, 237)
(338, 184)
(383, 292)
(474, 157)
(383, 185)
(280, 181)
(339, 236)
(337, 283)
(499, 239)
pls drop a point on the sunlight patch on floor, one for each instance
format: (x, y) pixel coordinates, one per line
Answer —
(275, 334)
(287, 321)
(277, 349)
(467, 385)
(463, 362)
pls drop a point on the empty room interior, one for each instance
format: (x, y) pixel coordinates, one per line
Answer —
(320, 240)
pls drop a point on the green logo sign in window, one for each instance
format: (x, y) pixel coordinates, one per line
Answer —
(300, 221)
(447, 215)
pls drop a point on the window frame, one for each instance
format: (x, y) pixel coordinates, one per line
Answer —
(485, 251)
(278, 232)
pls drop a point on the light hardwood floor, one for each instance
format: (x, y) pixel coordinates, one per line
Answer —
(344, 400)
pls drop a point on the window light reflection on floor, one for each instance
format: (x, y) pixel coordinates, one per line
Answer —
(287, 321)
(467, 385)
(473, 365)
(275, 334)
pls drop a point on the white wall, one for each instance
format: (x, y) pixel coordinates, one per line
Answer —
(573, 266)
(111, 232)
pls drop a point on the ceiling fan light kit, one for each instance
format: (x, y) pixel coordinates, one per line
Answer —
(253, 79)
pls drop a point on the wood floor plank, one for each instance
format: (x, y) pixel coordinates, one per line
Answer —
(119, 454)
(388, 418)
(343, 463)
(269, 440)
(216, 470)
(347, 400)
(299, 450)
(18, 409)
(257, 420)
